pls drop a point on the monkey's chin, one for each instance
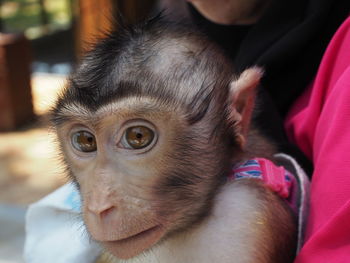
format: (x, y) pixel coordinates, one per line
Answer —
(132, 246)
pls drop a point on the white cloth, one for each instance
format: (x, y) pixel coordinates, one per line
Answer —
(302, 196)
(55, 232)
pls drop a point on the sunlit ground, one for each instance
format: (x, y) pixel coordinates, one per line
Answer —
(29, 167)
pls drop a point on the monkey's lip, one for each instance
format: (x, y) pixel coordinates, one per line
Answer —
(131, 246)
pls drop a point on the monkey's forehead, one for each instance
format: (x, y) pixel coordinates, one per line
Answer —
(123, 110)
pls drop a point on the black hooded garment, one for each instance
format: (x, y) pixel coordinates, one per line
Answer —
(288, 41)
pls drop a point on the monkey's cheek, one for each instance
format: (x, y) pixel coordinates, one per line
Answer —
(134, 245)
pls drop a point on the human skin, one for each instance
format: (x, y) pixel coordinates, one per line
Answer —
(230, 12)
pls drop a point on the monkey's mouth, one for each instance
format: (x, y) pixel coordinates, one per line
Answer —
(131, 246)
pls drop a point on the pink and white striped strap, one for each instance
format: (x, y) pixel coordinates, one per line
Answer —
(277, 178)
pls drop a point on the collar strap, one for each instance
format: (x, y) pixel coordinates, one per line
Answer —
(277, 178)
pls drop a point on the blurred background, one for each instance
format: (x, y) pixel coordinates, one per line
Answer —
(40, 42)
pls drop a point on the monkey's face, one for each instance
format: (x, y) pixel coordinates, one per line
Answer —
(142, 170)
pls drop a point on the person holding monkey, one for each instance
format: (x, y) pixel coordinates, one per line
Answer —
(309, 85)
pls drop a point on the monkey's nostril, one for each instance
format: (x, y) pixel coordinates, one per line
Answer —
(106, 212)
(101, 211)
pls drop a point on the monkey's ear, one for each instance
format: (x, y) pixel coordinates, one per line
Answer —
(241, 101)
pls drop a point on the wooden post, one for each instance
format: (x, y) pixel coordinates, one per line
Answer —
(96, 18)
(16, 106)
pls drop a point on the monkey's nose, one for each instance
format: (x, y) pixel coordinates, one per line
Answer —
(100, 220)
(102, 211)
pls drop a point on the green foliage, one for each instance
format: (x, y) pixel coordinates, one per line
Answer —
(30, 15)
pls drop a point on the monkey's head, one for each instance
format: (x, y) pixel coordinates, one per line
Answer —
(149, 126)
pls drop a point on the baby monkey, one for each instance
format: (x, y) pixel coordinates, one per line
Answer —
(150, 126)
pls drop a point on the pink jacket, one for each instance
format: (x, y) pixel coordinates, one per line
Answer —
(319, 123)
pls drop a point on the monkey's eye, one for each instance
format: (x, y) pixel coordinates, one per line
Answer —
(84, 141)
(137, 137)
